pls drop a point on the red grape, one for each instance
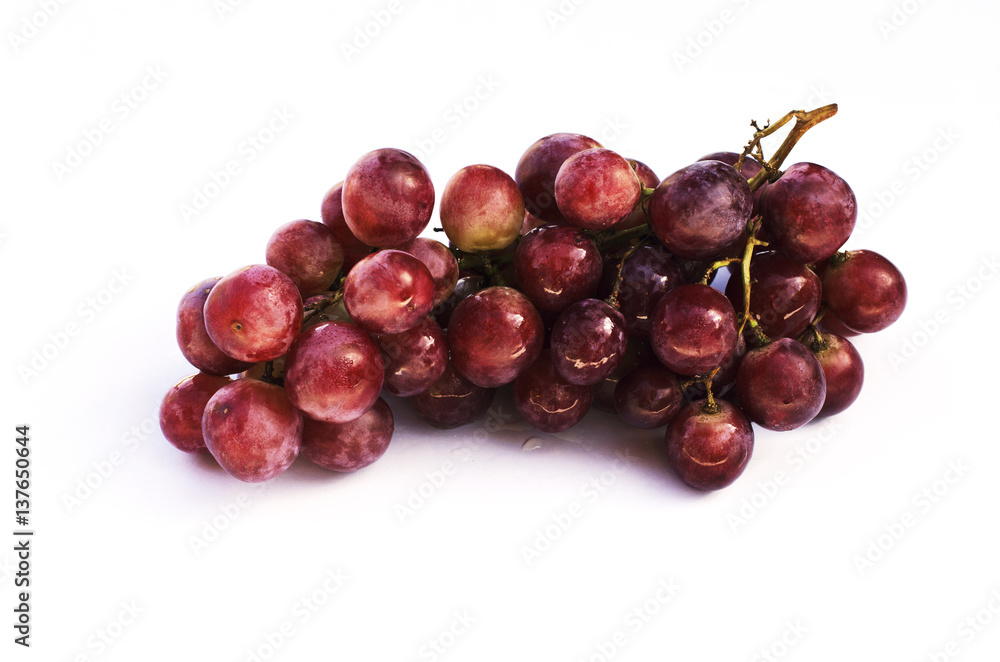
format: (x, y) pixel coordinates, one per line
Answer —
(183, 407)
(547, 401)
(334, 372)
(389, 292)
(494, 335)
(709, 448)
(596, 189)
(864, 290)
(352, 445)
(308, 253)
(453, 400)
(648, 396)
(843, 369)
(809, 212)
(784, 295)
(693, 329)
(481, 209)
(192, 336)
(648, 179)
(254, 313)
(647, 274)
(588, 342)
(388, 198)
(414, 359)
(781, 385)
(252, 430)
(700, 210)
(556, 266)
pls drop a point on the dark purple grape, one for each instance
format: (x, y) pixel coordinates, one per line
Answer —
(308, 253)
(637, 352)
(252, 430)
(648, 274)
(192, 336)
(588, 342)
(864, 290)
(831, 324)
(183, 408)
(389, 292)
(333, 217)
(781, 385)
(453, 400)
(414, 359)
(481, 209)
(784, 295)
(596, 189)
(254, 313)
(693, 329)
(536, 171)
(440, 262)
(709, 448)
(388, 198)
(700, 210)
(349, 446)
(749, 170)
(494, 335)
(547, 401)
(556, 266)
(334, 372)
(843, 369)
(648, 397)
(809, 212)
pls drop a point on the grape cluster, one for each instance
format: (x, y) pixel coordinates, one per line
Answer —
(581, 281)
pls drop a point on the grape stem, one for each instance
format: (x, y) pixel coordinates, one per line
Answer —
(804, 120)
(612, 300)
(752, 241)
(710, 272)
(711, 407)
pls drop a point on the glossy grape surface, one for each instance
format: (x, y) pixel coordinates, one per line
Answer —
(389, 292)
(482, 209)
(537, 169)
(453, 401)
(784, 295)
(308, 253)
(865, 291)
(192, 336)
(547, 401)
(183, 407)
(588, 342)
(781, 385)
(709, 450)
(693, 329)
(388, 198)
(596, 189)
(556, 266)
(648, 396)
(414, 359)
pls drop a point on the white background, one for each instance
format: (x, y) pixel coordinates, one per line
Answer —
(802, 570)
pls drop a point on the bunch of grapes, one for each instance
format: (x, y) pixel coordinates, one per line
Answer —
(582, 281)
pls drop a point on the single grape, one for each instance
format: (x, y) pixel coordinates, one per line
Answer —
(809, 212)
(648, 396)
(649, 273)
(440, 262)
(388, 198)
(254, 313)
(843, 369)
(252, 430)
(350, 446)
(192, 336)
(709, 447)
(864, 290)
(556, 266)
(414, 359)
(308, 253)
(693, 329)
(784, 295)
(494, 335)
(389, 292)
(700, 210)
(588, 342)
(749, 170)
(781, 385)
(334, 372)
(481, 209)
(332, 212)
(547, 401)
(536, 171)
(453, 401)
(648, 179)
(596, 189)
(183, 407)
